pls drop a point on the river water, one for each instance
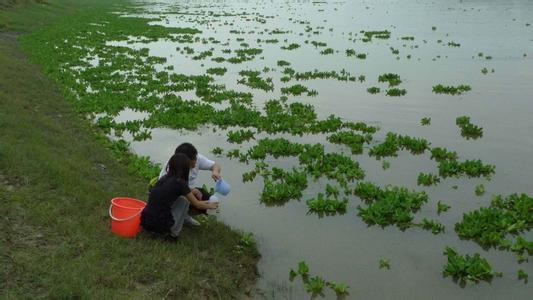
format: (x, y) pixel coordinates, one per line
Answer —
(343, 248)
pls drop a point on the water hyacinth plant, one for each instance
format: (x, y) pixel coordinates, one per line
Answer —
(427, 179)
(395, 92)
(353, 140)
(389, 206)
(240, 136)
(442, 207)
(253, 80)
(315, 284)
(490, 226)
(384, 264)
(434, 226)
(451, 90)
(326, 206)
(467, 268)
(468, 130)
(392, 79)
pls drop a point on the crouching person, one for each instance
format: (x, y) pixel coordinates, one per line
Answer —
(169, 200)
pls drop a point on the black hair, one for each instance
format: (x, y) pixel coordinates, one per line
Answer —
(179, 165)
(187, 149)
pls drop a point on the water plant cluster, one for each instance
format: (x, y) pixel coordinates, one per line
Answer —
(451, 90)
(354, 141)
(240, 136)
(394, 142)
(315, 285)
(378, 34)
(391, 205)
(393, 80)
(343, 75)
(467, 268)
(314, 162)
(327, 206)
(254, 81)
(468, 130)
(493, 226)
(384, 263)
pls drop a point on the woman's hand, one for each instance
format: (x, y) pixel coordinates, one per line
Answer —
(200, 204)
(216, 176)
(215, 172)
(212, 205)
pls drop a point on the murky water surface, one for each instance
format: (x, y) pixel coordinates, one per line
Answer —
(343, 248)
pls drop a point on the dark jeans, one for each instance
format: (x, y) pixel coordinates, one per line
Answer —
(193, 211)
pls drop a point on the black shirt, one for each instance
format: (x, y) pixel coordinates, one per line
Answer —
(156, 216)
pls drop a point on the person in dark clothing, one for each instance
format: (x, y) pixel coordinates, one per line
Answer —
(169, 199)
(198, 162)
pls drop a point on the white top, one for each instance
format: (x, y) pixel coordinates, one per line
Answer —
(202, 163)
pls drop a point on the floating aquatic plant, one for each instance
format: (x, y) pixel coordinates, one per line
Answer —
(440, 154)
(350, 52)
(353, 140)
(327, 51)
(384, 264)
(434, 226)
(217, 150)
(451, 90)
(283, 63)
(442, 207)
(394, 142)
(369, 35)
(427, 179)
(281, 186)
(292, 46)
(395, 92)
(454, 44)
(326, 206)
(489, 226)
(297, 90)
(470, 168)
(468, 130)
(392, 79)
(373, 90)
(253, 80)
(240, 136)
(467, 268)
(315, 285)
(388, 206)
(522, 275)
(340, 289)
(480, 190)
(217, 71)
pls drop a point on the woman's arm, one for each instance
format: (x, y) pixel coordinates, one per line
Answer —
(200, 204)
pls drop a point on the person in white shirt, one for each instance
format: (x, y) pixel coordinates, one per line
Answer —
(198, 162)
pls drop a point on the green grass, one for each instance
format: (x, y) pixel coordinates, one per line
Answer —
(56, 181)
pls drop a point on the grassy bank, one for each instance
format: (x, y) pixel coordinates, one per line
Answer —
(56, 179)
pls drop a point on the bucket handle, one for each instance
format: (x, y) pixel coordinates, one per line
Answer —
(122, 220)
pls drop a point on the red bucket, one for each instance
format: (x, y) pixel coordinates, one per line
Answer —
(125, 216)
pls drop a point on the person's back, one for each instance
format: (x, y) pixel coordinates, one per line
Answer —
(157, 216)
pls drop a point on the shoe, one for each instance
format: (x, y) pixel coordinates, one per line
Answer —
(189, 221)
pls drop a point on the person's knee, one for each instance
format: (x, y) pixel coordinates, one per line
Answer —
(183, 200)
